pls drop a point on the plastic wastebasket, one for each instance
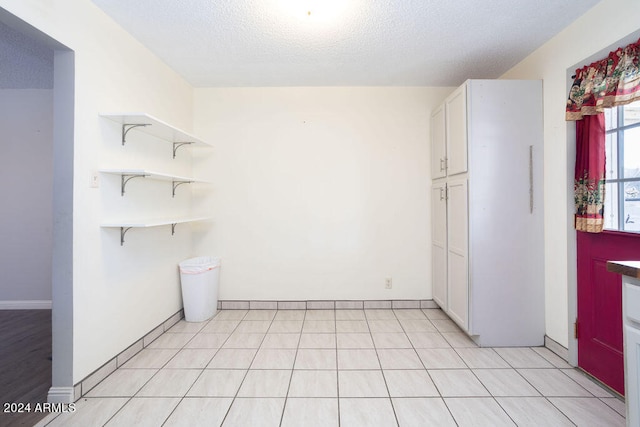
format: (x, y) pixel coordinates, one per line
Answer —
(199, 278)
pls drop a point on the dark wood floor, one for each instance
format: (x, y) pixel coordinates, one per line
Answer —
(25, 362)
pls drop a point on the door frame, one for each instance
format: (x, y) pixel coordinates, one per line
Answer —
(62, 388)
(572, 240)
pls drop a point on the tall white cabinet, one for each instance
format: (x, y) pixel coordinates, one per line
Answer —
(486, 199)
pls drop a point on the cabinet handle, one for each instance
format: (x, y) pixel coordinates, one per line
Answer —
(531, 179)
(441, 165)
(441, 193)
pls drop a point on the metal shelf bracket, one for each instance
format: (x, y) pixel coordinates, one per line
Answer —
(176, 184)
(123, 231)
(124, 179)
(126, 127)
(177, 145)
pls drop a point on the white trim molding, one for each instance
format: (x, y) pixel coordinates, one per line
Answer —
(557, 348)
(61, 395)
(26, 305)
(323, 305)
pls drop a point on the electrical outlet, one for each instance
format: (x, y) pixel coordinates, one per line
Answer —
(94, 180)
(387, 283)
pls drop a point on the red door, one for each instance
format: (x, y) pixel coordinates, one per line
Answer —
(600, 350)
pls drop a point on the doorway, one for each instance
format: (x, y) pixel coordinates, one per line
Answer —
(38, 96)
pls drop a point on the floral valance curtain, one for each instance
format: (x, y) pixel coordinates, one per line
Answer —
(589, 174)
(610, 82)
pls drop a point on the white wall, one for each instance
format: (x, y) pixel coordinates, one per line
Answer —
(319, 193)
(119, 293)
(602, 26)
(26, 170)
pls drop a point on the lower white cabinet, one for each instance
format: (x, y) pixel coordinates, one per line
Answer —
(457, 251)
(631, 321)
(439, 243)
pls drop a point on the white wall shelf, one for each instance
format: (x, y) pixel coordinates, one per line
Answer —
(144, 123)
(150, 125)
(126, 225)
(128, 174)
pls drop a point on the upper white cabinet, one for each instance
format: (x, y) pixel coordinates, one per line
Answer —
(456, 112)
(487, 230)
(449, 135)
(438, 143)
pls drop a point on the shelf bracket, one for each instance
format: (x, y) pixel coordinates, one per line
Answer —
(124, 179)
(176, 184)
(126, 127)
(177, 145)
(123, 231)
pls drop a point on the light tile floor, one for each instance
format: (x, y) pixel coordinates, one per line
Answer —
(340, 368)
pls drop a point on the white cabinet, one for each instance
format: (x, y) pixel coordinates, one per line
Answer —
(449, 135)
(632, 364)
(439, 243)
(631, 321)
(493, 283)
(438, 142)
(630, 271)
(457, 251)
(456, 112)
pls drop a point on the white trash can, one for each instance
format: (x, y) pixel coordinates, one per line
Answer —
(199, 278)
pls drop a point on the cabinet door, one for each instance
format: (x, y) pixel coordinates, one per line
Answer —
(438, 143)
(439, 245)
(456, 131)
(457, 252)
(632, 373)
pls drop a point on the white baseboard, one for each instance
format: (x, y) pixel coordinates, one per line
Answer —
(323, 304)
(26, 305)
(556, 347)
(61, 395)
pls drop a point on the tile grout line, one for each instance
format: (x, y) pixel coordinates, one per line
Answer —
(427, 371)
(203, 369)
(404, 328)
(384, 378)
(130, 398)
(295, 357)
(335, 319)
(243, 378)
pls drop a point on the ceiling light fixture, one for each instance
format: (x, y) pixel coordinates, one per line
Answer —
(322, 12)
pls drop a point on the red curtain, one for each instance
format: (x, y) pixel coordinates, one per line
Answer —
(610, 82)
(590, 173)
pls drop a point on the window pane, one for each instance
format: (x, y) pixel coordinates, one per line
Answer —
(610, 118)
(622, 146)
(611, 155)
(611, 206)
(632, 206)
(632, 153)
(631, 113)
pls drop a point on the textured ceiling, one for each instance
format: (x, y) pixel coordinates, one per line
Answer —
(24, 63)
(352, 43)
